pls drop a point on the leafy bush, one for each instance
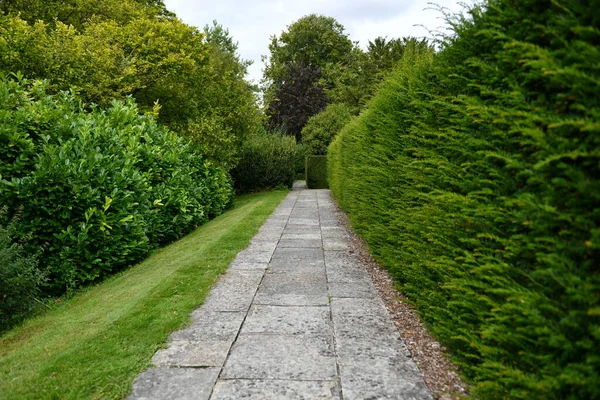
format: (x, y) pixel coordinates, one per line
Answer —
(316, 172)
(267, 161)
(126, 50)
(483, 165)
(19, 277)
(98, 189)
(321, 128)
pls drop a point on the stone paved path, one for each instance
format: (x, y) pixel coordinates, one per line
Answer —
(294, 317)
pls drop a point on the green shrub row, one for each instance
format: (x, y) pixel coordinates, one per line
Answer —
(321, 128)
(97, 188)
(474, 177)
(316, 172)
(267, 161)
(20, 278)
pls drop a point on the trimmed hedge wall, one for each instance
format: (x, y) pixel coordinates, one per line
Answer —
(266, 162)
(475, 178)
(316, 172)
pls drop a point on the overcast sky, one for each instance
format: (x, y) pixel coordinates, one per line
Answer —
(251, 23)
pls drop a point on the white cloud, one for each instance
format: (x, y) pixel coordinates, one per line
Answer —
(252, 23)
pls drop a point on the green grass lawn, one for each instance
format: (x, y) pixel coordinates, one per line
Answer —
(94, 344)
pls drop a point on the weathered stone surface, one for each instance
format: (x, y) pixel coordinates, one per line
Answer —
(289, 320)
(266, 237)
(340, 259)
(381, 346)
(295, 317)
(174, 383)
(254, 256)
(294, 288)
(334, 231)
(347, 274)
(260, 389)
(211, 326)
(262, 246)
(355, 318)
(336, 243)
(301, 236)
(193, 354)
(314, 229)
(234, 291)
(303, 221)
(283, 265)
(301, 243)
(269, 356)
(361, 290)
(298, 253)
(241, 265)
(380, 378)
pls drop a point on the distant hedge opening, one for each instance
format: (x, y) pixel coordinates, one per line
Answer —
(316, 172)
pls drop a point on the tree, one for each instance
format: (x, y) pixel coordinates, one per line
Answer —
(296, 99)
(321, 128)
(355, 83)
(301, 59)
(197, 78)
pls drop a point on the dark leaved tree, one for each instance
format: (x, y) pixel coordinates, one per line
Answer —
(296, 99)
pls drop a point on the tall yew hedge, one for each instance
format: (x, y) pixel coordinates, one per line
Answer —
(474, 177)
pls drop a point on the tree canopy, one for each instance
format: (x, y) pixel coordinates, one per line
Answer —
(110, 49)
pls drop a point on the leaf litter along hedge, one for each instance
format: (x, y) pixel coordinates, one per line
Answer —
(474, 177)
(98, 188)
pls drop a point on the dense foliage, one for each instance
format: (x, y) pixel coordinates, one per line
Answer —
(19, 276)
(268, 160)
(98, 189)
(474, 178)
(296, 100)
(316, 172)
(321, 128)
(110, 49)
(296, 74)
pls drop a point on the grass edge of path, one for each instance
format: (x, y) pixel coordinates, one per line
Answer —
(94, 344)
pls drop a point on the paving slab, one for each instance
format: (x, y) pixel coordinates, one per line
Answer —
(347, 274)
(336, 243)
(195, 354)
(251, 255)
(165, 383)
(303, 236)
(315, 243)
(211, 326)
(298, 253)
(289, 320)
(314, 229)
(295, 317)
(293, 288)
(285, 266)
(379, 379)
(268, 356)
(260, 389)
(334, 231)
(361, 290)
(243, 265)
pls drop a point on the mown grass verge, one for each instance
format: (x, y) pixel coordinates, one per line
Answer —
(94, 344)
